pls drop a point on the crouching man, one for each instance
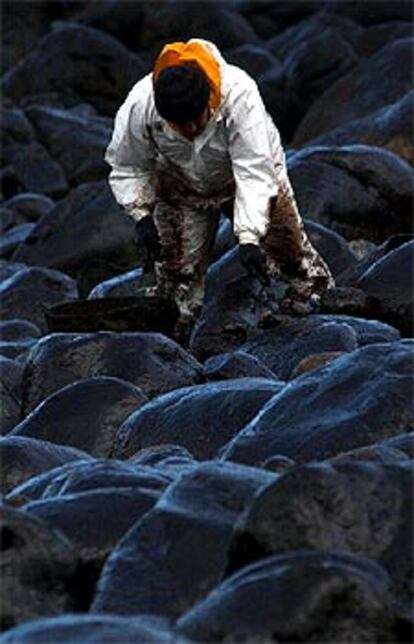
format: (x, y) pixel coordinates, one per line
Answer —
(192, 136)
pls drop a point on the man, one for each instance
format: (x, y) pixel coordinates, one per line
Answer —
(190, 137)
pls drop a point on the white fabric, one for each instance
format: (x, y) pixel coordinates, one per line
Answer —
(240, 143)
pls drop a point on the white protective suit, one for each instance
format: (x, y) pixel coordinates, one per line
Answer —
(239, 145)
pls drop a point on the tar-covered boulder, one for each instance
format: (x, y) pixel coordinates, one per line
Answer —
(23, 458)
(339, 507)
(389, 282)
(84, 228)
(86, 414)
(94, 520)
(200, 418)
(75, 627)
(361, 397)
(359, 191)
(37, 567)
(33, 167)
(297, 597)
(76, 141)
(25, 294)
(79, 64)
(178, 551)
(283, 347)
(355, 95)
(389, 127)
(148, 360)
(100, 474)
(237, 364)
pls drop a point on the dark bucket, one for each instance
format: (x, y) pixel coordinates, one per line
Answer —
(113, 314)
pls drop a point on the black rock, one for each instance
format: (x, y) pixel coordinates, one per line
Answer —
(390, 283)
(389, 127)
(373, 38)
(360, 398)
(359, 191)
(178, 551)
(350, 276)
(86, 227)
(200, 418)
(334, 507)
(76, 142)
(295, 597)
(283, 347)
(22, 458)
(78, 63)
(25, 293)
(392, 451)
(10, 408)
(225, 238)
(7, 269)
(11, 375)
(125, 285)
(37, 565)
(94, 520)
(62, 358)
(169, 459)
(334, 249)
(234, 304)
(86, 414)
(16, 329)
(31, 205)
(356, 94)
(13, 237)
(182, 21)
(254, 59)
(96, 629)
(35, 170)
(226, 366)
(372, 13)
(10, 219)
(98, 474)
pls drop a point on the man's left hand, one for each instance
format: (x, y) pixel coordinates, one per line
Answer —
(253, 259)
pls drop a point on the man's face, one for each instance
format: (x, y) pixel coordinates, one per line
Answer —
(191, 129)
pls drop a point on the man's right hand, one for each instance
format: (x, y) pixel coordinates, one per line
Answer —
(147, 238)
(253, 259)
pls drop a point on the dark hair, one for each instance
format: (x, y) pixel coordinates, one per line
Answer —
(181, 93)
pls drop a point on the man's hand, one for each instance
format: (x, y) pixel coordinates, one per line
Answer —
(147, 239)
(253, 259)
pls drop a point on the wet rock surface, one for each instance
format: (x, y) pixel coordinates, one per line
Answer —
(25, 294)
(94, 520)
(23, 457)
(334, 507)
(61, 359)
(150, 570)
(181, 541)
(359, 191)
(364, 394)
(95, 628)
(86, 414)
(310, 595)
(201, 418)
(37, 567)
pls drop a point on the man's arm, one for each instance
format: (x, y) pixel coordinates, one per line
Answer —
(131, 157)
(257, 158)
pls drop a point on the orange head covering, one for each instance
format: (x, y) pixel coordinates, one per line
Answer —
(195, 54)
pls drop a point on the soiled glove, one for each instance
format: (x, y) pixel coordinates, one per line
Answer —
(147, 239)
(253, 259)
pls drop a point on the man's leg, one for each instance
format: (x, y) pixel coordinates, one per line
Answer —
(186, 237)
(290, 254)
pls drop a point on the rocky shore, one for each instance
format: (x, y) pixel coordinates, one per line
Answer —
(256, 485)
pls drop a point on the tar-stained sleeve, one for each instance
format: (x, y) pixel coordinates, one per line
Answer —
(258, 162)
(131, 157)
